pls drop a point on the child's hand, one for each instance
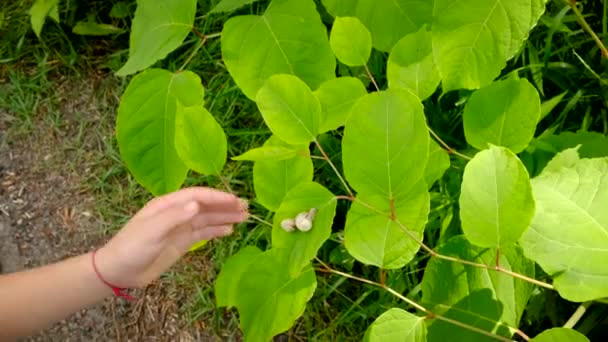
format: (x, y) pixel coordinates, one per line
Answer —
(163, 231)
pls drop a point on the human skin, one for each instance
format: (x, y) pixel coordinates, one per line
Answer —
(149, 244)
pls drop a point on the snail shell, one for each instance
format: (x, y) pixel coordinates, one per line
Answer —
(303, 221)
(288, 225)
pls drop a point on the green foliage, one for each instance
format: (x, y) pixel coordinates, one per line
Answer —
(289, 38)
(350, 41)
(496, 203)
(159, 27)
(91, 28)
(568, 236)
(40, 10)
(396, 325)
(560, 335)
(402, 188)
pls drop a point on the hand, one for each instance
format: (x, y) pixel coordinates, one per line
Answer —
(164, 230)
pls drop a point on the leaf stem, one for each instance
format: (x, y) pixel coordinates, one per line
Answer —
(446, 146)
(192, 54)
(371, 77)
(259, 219)
(428, 312)
(581, 20)
(577, 315)
(331, 164)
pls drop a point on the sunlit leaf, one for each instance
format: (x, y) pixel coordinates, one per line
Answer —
(303, 246)
(39, 11)
(496, 203)
(290, 109)
(472, 295)
(145, 126)
(560, 335)
(289, 38)
(158, 28)
(269, 153)
(272, 179)
(337, 97)
(568, 236)
(341, 8)
(230, 5)
(396, 325)
(227, 282)
(438, 163)
(373, 238)
(200, 141)
(410, 64)
(350, 41)
(504, 113)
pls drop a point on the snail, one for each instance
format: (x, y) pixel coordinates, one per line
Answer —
(303, 221)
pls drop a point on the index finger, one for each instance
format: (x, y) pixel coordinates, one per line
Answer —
(207, 198)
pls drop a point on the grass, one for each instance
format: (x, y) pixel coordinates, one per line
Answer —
(558, 58)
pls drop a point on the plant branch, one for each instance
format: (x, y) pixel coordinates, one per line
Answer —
(581, 20)
(259, 219)
(192, 54)
(331, 164)
(577, 315)
(371, 77)
(446, 146)
(428, 312)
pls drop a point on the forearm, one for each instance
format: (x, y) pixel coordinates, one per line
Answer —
(33, 300)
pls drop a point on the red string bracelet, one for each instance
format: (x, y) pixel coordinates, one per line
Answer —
(118, 291)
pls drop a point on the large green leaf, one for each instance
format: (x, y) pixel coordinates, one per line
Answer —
(272, 179)
(200, 141)
(373, 238)
(337, 96)
(269, 153)
(505, 113)
(341, 8)
(385, 143)
(269, 299)
(158, 28)
(39, 11)
(476, 296)
(350, 41)
(389, 21)
(227, 282)
(396, 325)
(290, 109)
(230, 5)
(560, 335)
(473, 39)
(438, 163)
(568, 236)
(496, 202)
(303, 246)
(410, 64)
(145, 126)
(288, 39)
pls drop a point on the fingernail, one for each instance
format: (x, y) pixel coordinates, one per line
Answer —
(244, 204)
(191, 208)
(228, 230)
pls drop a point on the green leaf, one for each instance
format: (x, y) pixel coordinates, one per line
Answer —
(38, 13)
(158, 28)
(438, 163)
(290, 109)
(337, 97)
(54, 13)
(547, 106)
(385, 143)
(89, 28)
(230, 5)
(473, 40)
(269, 299)
(475, 296)
(227, 282)
(373, 238)
(198, 245)
(120, 10)
(504, 113)
(288, 39)
(303, 246)
(410, 64)
(341, 8)
(145, 126)
(560, 335)
(269, 153)
(496, 203)
(568, 236)
(272, 179)
(200, 141)
(396, 325)
(389, 21)
(350, 41)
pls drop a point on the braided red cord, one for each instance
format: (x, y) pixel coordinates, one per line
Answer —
(118, 291)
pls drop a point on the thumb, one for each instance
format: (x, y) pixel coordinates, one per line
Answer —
(166, 220)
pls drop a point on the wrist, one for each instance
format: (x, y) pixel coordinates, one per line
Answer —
(106, 275)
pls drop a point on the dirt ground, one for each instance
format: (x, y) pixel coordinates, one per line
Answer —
(47, 213)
